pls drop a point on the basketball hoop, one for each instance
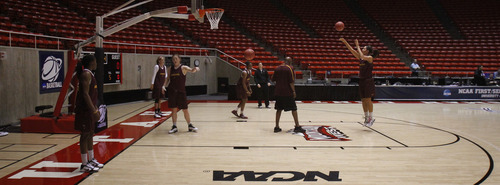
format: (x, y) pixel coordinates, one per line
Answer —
(213, 15)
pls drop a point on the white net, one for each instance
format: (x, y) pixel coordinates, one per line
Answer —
(214, 15)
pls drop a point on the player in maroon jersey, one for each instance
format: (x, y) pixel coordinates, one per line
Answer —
(86, 112)
(158, 85)
(366, 82)
(284, 92)
(177, 99)
(243, 90)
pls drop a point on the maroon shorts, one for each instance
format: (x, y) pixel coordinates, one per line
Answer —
(84, 122)
(366, 88)
(157, 93)
(177, 100)
(241, 93)
(286, 103)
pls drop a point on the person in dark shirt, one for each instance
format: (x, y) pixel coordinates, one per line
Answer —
(177, 99)
(479, 77)
(262, 80)
(285, 94)
(366, 82)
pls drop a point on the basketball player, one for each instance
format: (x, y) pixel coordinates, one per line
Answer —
(366, 82)
(158, 85)
(243, 90)
(86, 112)
(285, 94)
(177, 99)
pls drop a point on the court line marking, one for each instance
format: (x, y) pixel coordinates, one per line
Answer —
(482, 140)
(126, 114)
(26, 144)
(48, 136)
(7, 146)
(53, 145)
(490, 158)
(133, 142)
(395, 140)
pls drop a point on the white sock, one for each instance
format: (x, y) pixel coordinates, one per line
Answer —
(91, 154)
(370, 114)
(84, 159)
(366, 114)
(175, 124)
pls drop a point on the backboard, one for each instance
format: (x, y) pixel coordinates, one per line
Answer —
(197, 5)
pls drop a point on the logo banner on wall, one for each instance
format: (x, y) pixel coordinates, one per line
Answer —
(438, 93)
(51, 71)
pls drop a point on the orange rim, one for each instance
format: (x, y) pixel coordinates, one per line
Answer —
(209, 10)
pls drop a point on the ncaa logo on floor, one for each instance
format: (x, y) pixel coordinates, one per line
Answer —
(323, 133)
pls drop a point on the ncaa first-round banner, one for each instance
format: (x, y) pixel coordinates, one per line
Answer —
(437, 93)
(51, 71)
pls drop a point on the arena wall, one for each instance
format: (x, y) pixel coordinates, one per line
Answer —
(20, 73)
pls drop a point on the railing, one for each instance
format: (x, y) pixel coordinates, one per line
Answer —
(62, 43)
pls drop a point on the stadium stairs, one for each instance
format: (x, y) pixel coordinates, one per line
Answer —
(379, 32)
(294, 18)
(445, 19)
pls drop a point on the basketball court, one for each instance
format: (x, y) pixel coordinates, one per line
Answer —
(411, 142)
(445, 143)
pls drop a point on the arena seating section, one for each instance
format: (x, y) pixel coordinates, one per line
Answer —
(416, 28)
(226, 38)
(327, 52)
(413, 25)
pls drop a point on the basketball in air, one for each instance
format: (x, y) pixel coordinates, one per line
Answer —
(249, 54)
(339, 26)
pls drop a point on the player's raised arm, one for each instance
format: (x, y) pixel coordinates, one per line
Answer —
(186, 69)
(361, 55)
(354, 52)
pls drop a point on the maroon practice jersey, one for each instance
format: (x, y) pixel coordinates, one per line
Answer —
(365, 69)
(177, 79)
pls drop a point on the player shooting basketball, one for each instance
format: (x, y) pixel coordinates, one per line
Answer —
(366, 82)
(177, 99)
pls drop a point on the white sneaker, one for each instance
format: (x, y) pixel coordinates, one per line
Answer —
(369, 123)
(191, 128)
(163, 114)
(88, 168)
(157, 115)
(173, 130)
(94, 163)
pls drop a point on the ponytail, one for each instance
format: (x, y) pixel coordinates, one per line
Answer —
(374, 53)
(79, 68)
